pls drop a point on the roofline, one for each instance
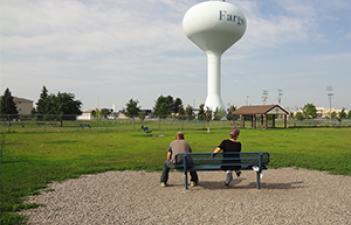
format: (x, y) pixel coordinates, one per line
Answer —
(265, 112)
(22, 99)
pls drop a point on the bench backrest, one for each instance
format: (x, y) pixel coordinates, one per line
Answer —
(237, 160)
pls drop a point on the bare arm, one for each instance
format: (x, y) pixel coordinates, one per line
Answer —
(217, 150)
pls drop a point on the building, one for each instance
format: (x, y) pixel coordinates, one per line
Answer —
(86, 115)
(24, 106)
(326, 112)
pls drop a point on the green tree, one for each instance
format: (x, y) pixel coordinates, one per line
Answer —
(63, 106)
(349, 115)
(43, 102)
(230, 111)
(170, 104)
(310, 111)
(177, 105)
(189, 112)
(67, 106)
(142, 116)
(218, 114)
(96, 113)
(181, 113)
(132, 108)
(208, 114)
(105, 112)
(208, 118)
(164, 106)
(299, 116)
(7, 105)
(202, 114)
(342, 114)
(334, 115)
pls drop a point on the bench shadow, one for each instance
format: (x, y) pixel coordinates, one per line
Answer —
(217, 185)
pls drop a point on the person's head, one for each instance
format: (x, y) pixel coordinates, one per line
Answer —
(180, 136)
(234, 134)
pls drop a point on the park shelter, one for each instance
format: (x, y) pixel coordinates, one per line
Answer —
(261, 113)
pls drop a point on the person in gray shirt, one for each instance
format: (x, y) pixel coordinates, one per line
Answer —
(179, 145)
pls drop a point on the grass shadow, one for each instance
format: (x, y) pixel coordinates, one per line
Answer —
(12, 161)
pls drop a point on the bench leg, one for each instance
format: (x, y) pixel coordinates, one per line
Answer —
(186, 180)
(258, 180)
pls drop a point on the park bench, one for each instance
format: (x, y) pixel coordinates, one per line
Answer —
(146, 130)
(256, 161)
(85, 125)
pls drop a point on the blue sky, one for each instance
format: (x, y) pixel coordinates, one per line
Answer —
(108, 51)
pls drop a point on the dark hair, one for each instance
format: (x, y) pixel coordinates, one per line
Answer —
(234, 133)
(180, 136)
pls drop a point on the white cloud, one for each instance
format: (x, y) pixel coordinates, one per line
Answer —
(77, 44)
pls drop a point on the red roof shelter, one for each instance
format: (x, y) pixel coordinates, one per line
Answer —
(261, 112)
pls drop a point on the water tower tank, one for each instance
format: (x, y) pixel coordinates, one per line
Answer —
(214, 26)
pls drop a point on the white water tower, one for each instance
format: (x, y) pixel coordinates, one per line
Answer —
(214, 26)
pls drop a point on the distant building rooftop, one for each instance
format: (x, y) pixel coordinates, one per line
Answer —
(21, 100)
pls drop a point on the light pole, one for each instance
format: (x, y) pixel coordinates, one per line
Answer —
(264, 96)
(330, 95)
(280, 94)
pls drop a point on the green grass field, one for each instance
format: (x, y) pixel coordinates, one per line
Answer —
(33, 157)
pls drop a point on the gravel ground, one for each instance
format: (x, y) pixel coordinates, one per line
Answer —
(289, 196)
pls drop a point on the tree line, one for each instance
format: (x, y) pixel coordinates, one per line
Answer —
(60, 106)
(170, 107)
(64, 106)
(309, 111)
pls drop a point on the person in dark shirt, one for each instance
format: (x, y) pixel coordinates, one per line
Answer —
(230, 145)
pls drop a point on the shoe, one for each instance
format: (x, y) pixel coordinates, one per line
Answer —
(255, 168)
(163, 184)
(193, 184)
(229, 179)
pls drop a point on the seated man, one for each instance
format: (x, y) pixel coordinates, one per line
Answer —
(176, 147)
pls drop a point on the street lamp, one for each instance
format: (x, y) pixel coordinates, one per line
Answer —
(280, 94)
(330, 95)
(264, 96)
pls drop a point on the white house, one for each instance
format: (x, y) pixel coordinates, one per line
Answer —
(86, 115)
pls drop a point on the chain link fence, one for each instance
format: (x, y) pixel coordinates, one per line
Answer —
(57, 122)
